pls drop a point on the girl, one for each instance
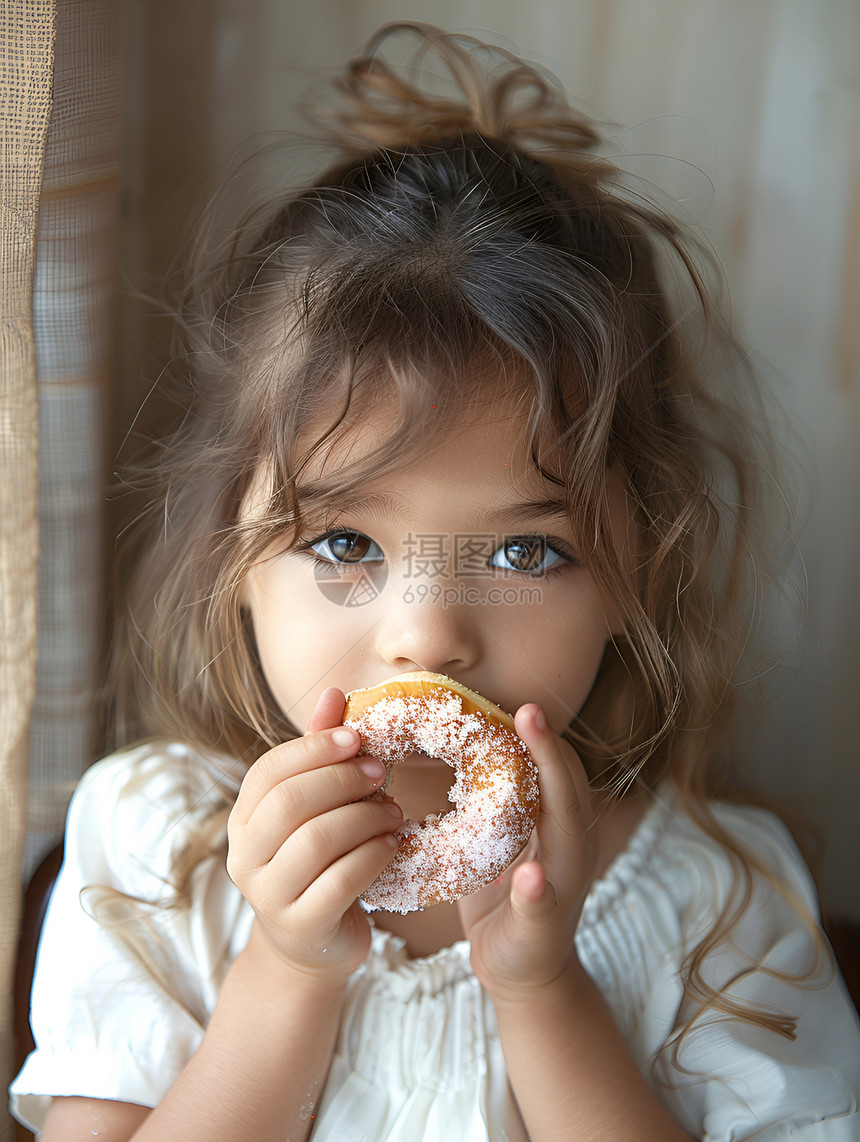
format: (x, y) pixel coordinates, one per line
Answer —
(464, 406)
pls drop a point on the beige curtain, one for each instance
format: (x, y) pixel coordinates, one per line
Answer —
(26, 61)
(60, 116)
(73, 303)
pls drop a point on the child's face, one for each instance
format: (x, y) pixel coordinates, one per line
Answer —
(456, 564)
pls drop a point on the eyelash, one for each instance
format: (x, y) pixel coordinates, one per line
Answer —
(557, 546)
(307, 547)
(553, 544)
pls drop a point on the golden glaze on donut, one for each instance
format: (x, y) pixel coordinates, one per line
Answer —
(495, 791)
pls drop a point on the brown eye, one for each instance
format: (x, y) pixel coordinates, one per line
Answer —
(525, 556)
(529, 554)
(347, 547)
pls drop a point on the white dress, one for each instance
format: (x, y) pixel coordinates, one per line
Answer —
(418, 1057)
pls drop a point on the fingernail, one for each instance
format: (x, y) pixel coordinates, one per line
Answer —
(540, 720)
(373, 767)
(345, 736)
(393, 808)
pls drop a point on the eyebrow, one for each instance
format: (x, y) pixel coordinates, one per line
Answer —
(516, 511)
(384, 503)
(546, 508)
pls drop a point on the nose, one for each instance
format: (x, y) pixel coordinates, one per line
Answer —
(430, 630)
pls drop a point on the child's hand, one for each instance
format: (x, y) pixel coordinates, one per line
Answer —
(304, 842)
(522, 925)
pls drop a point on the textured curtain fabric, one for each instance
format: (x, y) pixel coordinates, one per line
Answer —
(73, 294)
(60, 175)
(26, 61)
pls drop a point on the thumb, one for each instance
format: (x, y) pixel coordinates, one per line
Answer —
(532, 896)
(328, 711)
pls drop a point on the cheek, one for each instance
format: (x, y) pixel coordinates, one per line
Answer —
(284, 659)
(573, 674)
(300, 637)
(273, 624)
(556, 650)
(578, 643)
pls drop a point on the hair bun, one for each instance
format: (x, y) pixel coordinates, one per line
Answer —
(502, 98)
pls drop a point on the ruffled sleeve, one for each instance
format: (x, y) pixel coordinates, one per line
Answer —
(126, 976)
(725, 1079)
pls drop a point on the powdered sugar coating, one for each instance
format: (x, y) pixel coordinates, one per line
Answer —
(495, 797)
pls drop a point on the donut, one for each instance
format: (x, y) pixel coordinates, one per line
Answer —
(494, 796)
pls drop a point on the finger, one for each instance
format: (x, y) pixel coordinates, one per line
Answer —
(328, 712)
(478, 904)
(290, 804)
(532, 899)
(346, 879)
(529, 885)
(305, 754)
(324, 842)
(565, 811)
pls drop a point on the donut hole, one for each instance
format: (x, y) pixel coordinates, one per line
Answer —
(421, 786)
